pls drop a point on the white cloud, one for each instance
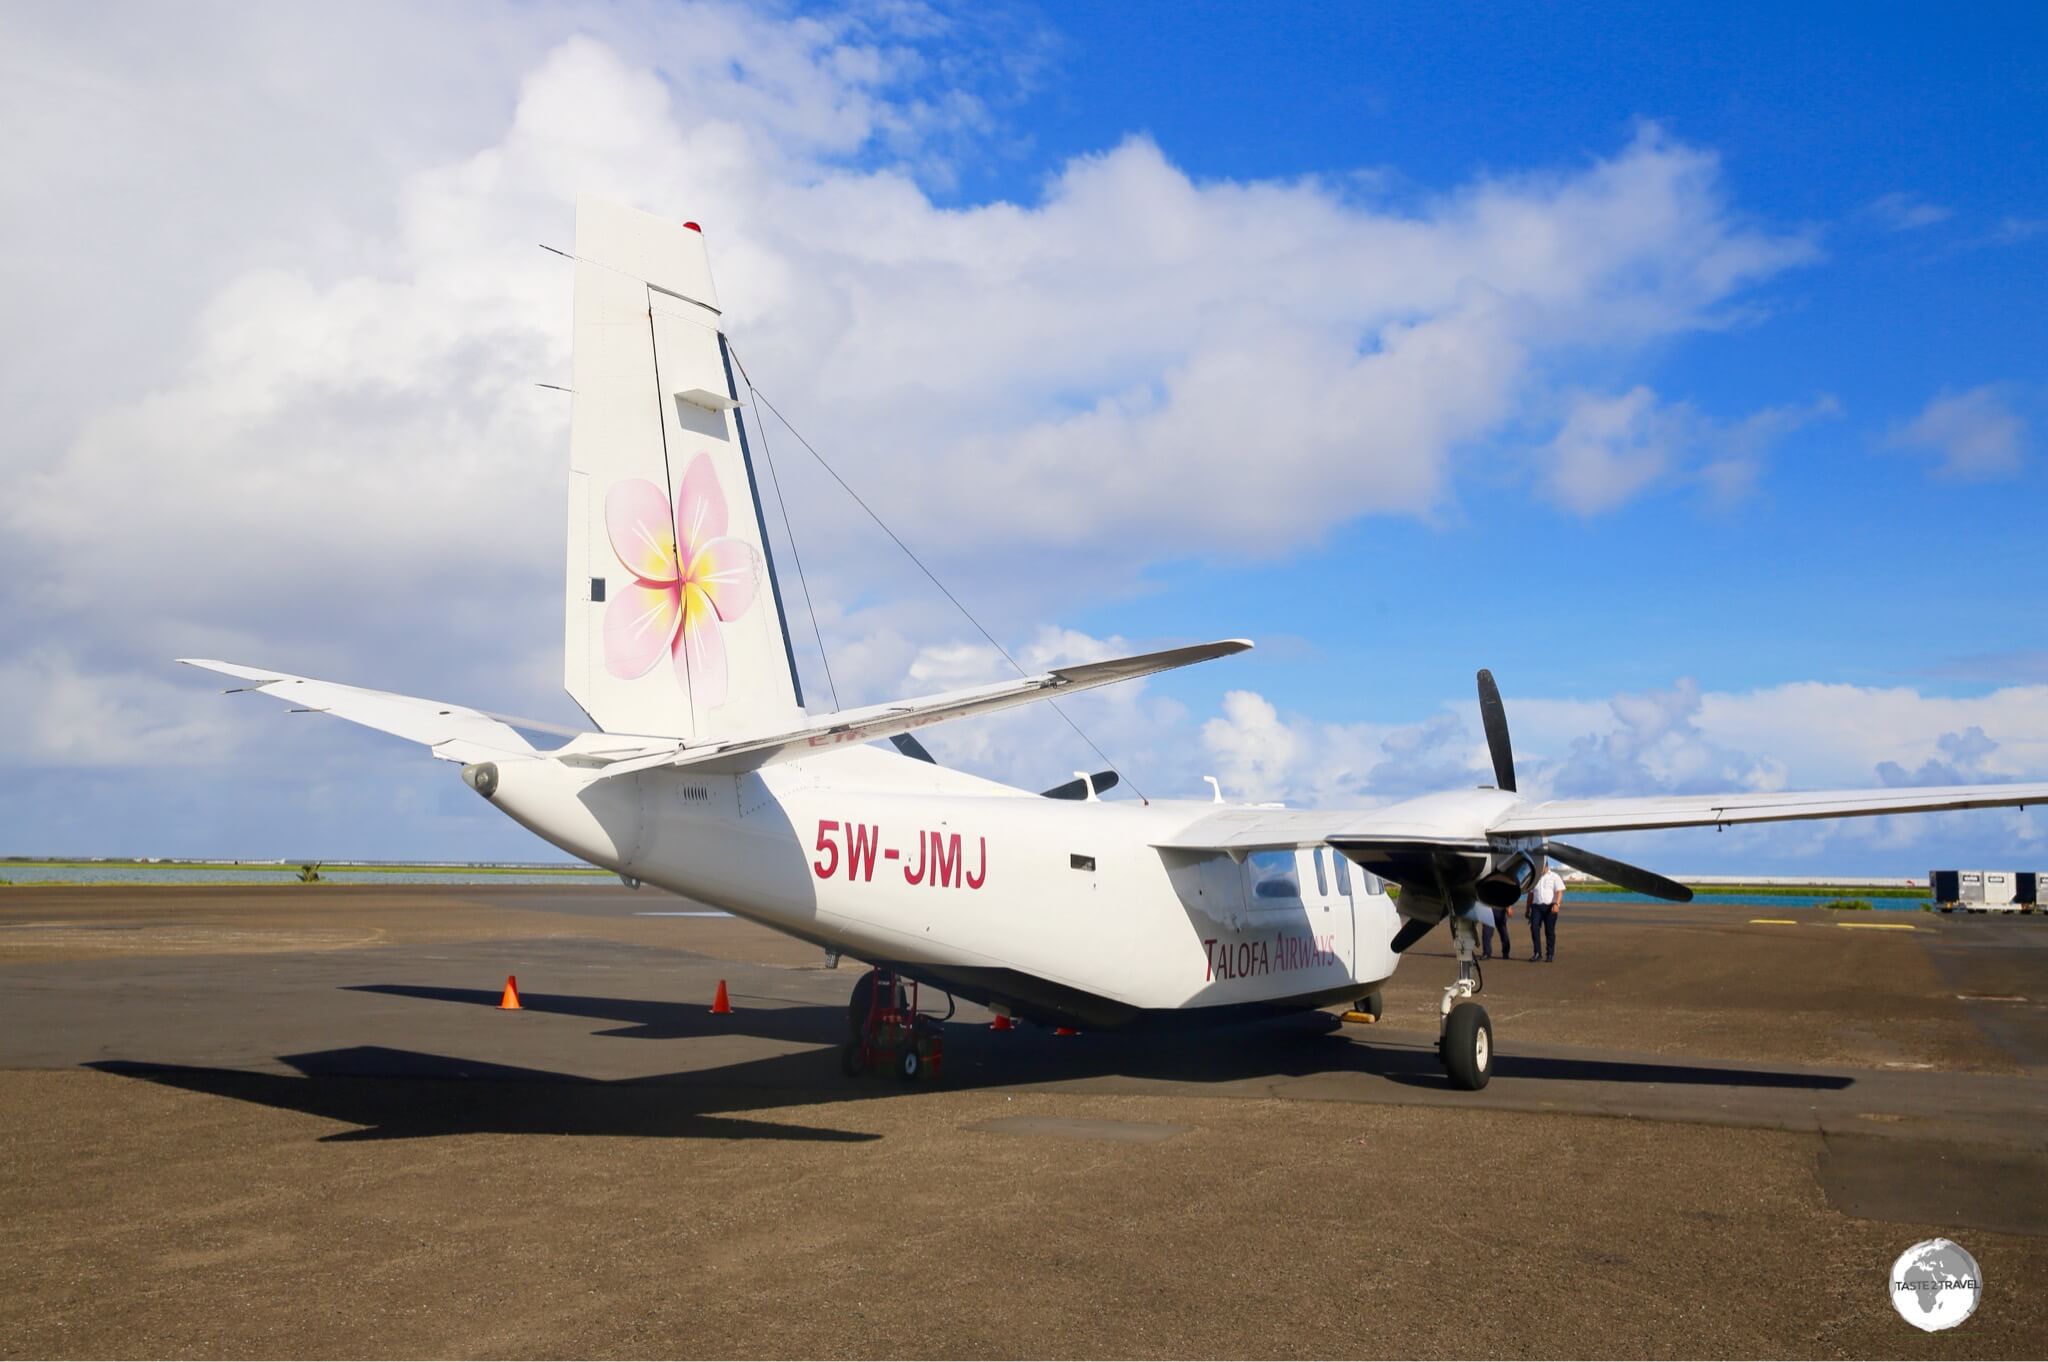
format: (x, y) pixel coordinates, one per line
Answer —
(61, 714)
(1904, 212)
(1256, 753)
(1231, 367)
(1974, 434)
(1608, 450)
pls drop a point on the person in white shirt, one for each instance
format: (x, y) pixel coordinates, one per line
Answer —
(1546, 897)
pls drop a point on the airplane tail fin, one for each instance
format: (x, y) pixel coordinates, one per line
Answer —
(674, 617)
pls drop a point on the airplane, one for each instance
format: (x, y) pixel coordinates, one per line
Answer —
(704, 775)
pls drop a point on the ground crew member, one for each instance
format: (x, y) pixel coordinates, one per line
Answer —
(1546, 896)
(1499, 924)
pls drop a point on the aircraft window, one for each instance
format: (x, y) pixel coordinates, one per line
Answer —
(1322, 878)
(1080, 862)
(1273, 875)
(1343, 872)
(596, 590)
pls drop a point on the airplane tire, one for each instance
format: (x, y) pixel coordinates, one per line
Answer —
(1467, 1047)
(1372, 1005)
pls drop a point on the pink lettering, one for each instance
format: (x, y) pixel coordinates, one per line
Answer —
(946, 860)
(861, 841)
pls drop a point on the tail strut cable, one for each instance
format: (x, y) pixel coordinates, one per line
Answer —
(756, 396)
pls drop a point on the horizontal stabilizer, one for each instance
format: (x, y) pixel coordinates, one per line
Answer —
(849, 727)
(453, 732)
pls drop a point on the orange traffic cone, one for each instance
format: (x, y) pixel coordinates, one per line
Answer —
(1001, 1023)
(1065, 1031)
(721, 1005)
(510, 1002)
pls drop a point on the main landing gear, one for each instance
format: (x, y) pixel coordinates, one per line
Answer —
(1465, 1041)
(888, 1033)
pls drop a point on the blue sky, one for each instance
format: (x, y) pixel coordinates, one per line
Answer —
(1685, 368)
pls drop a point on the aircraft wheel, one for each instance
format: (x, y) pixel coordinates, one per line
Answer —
(1467, 1047)
(910, 1066)
(1372, 1005)
(851, 1061)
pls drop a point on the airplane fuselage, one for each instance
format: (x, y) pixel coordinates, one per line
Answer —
(1062, 910)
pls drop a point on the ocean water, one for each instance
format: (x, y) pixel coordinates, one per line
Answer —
(183, 874)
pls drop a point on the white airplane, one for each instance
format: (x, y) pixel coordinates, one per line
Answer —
(706, 777)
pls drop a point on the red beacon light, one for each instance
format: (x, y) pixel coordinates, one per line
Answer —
(694, 227)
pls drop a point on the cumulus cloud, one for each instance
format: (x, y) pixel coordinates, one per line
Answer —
(1973, 434)
(1965, 760)
(1609, 449)
(1229, 366)
(1654, 744)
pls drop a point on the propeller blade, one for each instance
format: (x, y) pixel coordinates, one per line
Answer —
(1074, 789)
(911, 747)
(1412, 930)
(1619, 872)
(1493, 716)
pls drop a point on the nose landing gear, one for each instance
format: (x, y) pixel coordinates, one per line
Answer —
(1465, 1038)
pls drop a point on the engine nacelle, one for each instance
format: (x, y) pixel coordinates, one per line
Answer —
(1506, 882)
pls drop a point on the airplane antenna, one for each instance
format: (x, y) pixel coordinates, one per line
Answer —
(756, 396)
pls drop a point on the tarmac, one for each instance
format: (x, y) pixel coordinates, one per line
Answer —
(291, 1121)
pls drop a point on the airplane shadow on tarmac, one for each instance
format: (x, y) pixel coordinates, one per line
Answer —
(403, 1094)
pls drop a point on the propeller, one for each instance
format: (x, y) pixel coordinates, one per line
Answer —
(1493, 716)
(1510, 870)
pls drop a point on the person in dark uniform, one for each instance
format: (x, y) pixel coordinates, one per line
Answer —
(1500, 924)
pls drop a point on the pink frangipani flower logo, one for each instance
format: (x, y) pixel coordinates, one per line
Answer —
(689, 580)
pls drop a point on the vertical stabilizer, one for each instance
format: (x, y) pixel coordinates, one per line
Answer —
(674, 621)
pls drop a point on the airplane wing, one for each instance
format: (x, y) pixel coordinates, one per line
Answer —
(1243, 830)
(451, 732)
(853, 726)
(1688, 811)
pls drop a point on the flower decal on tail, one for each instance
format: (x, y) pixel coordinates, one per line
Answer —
(689, 580)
